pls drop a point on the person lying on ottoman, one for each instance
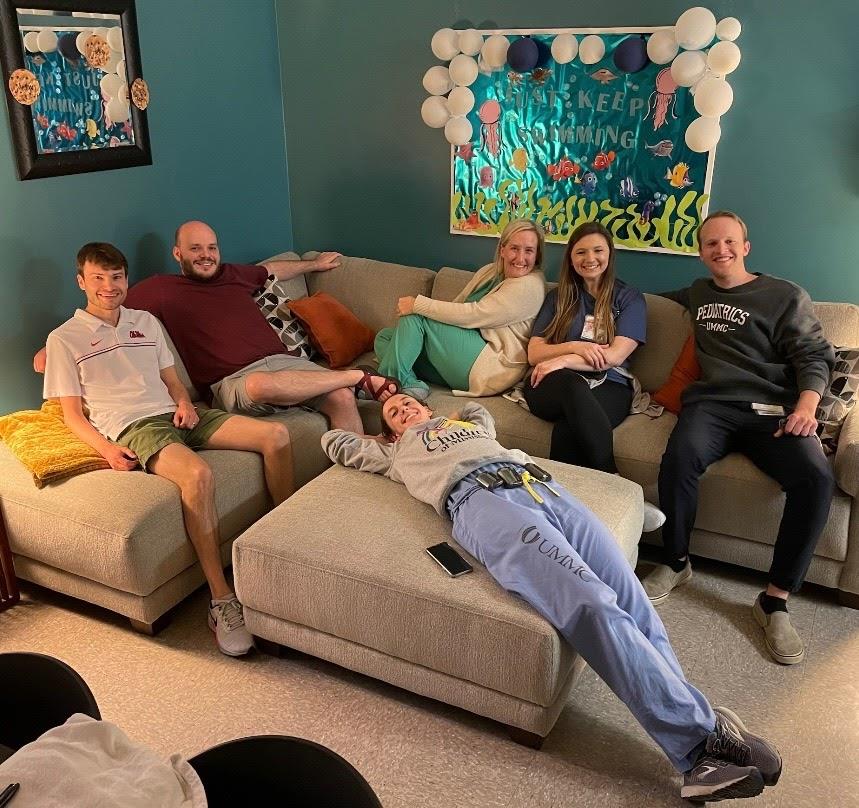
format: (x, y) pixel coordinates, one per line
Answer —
(543, 545)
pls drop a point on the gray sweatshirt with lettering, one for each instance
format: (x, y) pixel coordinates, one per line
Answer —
(429, 458)
(759, 342)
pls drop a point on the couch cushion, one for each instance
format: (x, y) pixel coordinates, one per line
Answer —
(840, 323)
(668, 326)
(370, 288)
(291, 289)
(324, 559)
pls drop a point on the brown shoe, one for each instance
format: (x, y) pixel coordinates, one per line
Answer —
(781, 638)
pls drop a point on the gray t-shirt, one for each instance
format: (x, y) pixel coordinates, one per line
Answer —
(429, 458)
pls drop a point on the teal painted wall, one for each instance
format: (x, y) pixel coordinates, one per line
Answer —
(216, 127)
(369, 178)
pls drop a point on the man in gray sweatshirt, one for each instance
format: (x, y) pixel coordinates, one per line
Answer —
(764, 366)
(542, 544)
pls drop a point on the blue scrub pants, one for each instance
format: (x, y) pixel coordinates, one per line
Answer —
(562, 560)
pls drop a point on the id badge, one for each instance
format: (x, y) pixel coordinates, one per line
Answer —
(768, 409)
(588, 329)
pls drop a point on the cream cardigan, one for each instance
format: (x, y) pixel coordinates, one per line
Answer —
(504, 317)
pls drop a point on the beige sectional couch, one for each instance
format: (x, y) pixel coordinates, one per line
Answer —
(117, 539)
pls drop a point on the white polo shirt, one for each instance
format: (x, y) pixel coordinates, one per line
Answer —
(116, 371)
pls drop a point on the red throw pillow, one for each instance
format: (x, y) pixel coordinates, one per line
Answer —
(685, 371)
(337, 334)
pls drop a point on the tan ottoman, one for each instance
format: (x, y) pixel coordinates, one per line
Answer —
(339, 571)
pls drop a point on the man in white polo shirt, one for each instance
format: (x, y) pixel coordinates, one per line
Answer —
(115, 362)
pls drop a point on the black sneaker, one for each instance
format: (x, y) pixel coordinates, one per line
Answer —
(714, 779)
(732, 741)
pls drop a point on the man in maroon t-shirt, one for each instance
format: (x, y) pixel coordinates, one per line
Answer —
(228, 346)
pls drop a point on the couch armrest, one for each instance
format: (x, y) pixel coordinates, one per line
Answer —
(847, 455)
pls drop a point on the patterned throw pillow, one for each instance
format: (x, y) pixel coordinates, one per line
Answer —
(840, 398)
(274, 306)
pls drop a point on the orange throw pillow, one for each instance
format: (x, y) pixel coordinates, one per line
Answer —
(337, 334)
(685, 371)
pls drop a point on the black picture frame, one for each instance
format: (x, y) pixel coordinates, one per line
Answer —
(33, 165)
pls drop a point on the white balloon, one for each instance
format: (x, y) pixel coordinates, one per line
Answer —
(113, 60)
(31, 41)
(82, 37)
(484, 68)
(445, 44)
(117, 110)
(460, 101)
(458, 130)
(114, 39)
(564, 48)
(110, 85)
(688, 67)
(120, 69)
(437, 80)
(434, 112)
(494, 50)
(47, 41)
(695, 28)
(713, 97)
(463, 69)
(728, 29)
(662, 47)
(591, 49)
(470, 42)
(703, 134)
(723, 58)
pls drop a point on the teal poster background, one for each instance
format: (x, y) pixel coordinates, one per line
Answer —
(569, 143)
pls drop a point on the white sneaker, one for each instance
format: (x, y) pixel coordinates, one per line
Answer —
(228, 623)
(653, 518)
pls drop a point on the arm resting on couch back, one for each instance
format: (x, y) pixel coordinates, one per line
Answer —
(847, 455)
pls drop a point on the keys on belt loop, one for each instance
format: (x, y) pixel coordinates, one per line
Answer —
(527, 479)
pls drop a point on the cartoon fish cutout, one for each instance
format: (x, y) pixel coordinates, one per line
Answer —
(42, 121)
(515, 78)
(514, 201)
(650, 206)
(520, 159)
(678, 176)
(563, 169)
(465, 151)
(603, 75)
(589, 183)
(603, 160)
(91, 127)
(661, 149)
(66, 132)
(38, 59)
(487, 177)
(628, 189)
(471, 222)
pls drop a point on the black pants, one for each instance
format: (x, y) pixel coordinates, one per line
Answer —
(708, 430)
(584, 417)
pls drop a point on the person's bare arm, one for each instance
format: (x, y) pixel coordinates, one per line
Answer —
(40, 360)
(121, 458)
(185, 416)
(284, 270)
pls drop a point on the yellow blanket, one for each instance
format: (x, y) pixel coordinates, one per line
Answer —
(41, 440)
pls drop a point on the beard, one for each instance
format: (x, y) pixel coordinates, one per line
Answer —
(190, 271)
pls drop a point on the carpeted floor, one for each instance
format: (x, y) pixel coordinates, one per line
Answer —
(176, 693)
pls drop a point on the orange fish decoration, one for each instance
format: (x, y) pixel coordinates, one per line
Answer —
(563, 169)
(42, 121)
(65, 131)
(603, 160)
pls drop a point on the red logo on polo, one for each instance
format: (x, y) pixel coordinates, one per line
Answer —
(136, 335)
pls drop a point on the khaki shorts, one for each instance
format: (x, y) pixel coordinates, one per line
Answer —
(231, 395)
(148, 436)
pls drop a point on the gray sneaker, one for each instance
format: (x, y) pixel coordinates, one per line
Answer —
(780, 636)
(714, 779)
(659, 582)
(732, 741)
(228, 622)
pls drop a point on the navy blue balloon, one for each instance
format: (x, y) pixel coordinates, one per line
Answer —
(68, 46)
(544, 53)
(631, 55)
(522, 55)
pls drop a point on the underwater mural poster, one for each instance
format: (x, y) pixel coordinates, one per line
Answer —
(568, 143)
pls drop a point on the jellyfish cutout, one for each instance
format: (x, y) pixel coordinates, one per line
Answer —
(662, 98)
(490, 133)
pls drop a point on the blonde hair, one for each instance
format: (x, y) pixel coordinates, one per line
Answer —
(571, 285)
(723, 214)
(514, 227)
